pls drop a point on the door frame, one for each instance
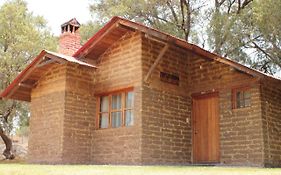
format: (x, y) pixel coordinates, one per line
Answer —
(200, 96)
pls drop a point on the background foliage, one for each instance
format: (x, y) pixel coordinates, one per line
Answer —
(22, 37)
(246, 31)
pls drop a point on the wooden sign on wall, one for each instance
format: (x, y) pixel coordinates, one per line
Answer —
(169, 78)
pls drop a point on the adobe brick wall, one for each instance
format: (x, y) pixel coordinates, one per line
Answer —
(70, 90)
(119, 67)
(241, 131)
(62, 116)
(166, 136)
(79, 117)
(161, 133)
(241, 139)
(47, 111)
(271, 115)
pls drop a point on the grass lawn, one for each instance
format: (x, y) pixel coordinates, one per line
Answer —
(24, 169)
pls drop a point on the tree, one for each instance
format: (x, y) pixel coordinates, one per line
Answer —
(22, 35)
(174, 17)
(229, 30)
(267, 17)
(87, 30)
(238, 31)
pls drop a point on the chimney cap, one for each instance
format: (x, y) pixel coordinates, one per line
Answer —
(72, 22)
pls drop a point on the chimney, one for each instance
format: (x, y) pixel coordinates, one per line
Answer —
(69, 41)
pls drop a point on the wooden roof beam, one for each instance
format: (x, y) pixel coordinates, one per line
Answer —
(28, 86)
(164, 37)
(55, 58)
(97, 40)
(238, 67)
(154, 39)
(44, 63)
(156, 62)
(144, 29)
(22, 79)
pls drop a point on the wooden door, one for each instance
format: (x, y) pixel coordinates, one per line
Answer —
(205, 129)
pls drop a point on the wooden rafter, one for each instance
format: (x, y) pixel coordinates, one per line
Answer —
(98, 40)
(55, 58)
(155, 39)
(46, 62)
(207, 55)
(127, 24)
(47, 56)
(50, 58)
(29, 86)
(23, 78)
(156, 62)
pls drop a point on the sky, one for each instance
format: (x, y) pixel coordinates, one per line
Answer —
(56, 12)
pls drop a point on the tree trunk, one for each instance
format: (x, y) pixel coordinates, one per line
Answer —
(8, 143)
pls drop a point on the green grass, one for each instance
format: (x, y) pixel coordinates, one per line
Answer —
(24, 169)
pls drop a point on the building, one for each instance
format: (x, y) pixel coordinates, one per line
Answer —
(135, 95)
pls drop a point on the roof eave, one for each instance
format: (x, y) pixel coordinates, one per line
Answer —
(16, 81)
(169, 38)
(7, 93)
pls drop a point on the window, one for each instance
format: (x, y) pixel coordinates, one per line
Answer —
(116, 109)
(241, 98)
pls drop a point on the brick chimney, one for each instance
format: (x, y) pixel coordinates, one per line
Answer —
(69, 41)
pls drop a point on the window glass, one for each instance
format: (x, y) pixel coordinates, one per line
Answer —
(247, 102)
(242, 98)
(104, 104)
(239, 96)
(240, 103)
(116, 119)
(247, 95)
(116, 101)
(129, 99)
(129, 118)
(116, 110)
(104, 120)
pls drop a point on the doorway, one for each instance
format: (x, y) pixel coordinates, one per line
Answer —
(205, 121)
